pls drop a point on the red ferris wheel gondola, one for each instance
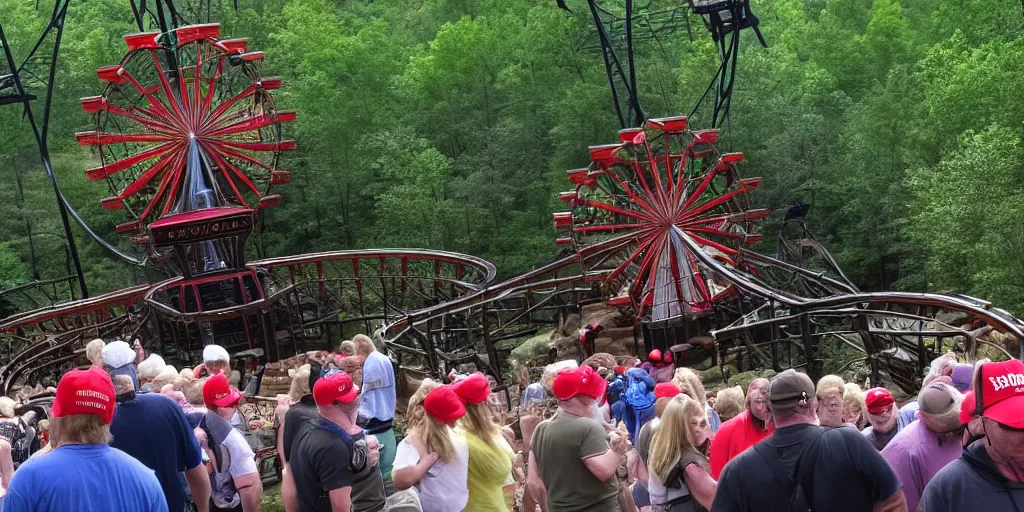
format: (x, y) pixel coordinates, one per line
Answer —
(183, 101)
(638, 199)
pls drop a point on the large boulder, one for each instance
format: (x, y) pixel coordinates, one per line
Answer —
(533, 349)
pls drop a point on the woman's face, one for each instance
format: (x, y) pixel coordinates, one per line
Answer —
(853, 414)
(700, 428)
(830, 410)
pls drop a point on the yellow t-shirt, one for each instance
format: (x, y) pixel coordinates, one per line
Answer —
(489, 468)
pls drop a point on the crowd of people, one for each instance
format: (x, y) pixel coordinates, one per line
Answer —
(646, 439)
(131, 433)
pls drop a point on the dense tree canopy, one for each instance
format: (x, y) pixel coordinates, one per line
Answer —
(449, 124)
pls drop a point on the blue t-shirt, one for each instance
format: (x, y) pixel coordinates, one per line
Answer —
(153, 429)
(84, 478)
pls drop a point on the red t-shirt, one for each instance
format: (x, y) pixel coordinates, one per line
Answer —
(733, 438)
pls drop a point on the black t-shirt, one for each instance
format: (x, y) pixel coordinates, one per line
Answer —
(294, 419)
(843, 473)
(321, 461)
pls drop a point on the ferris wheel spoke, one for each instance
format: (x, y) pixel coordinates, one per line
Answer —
(177, 167)
(97, 138)
(686, 215)
(699, 191)
(223, 163)
(211, 88)
(612, 243)
(148, 121)
(656, 173)
(647, 263)
(144, 179)
(283, 145)
(715, 232)
(724, 248)
(238, 155)
(169, 93)
(214, 116)
(605, 227)
(254, 123)
(629, 191)
(197, 89)
(157, 109)
(124, 163)
(646, 242)
(184, 92)
(615, 209)
(639, 173)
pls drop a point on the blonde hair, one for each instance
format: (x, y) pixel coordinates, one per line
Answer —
(169, 375)
(690, 383)
(729, 402)
(187, 376)
(853, 396)
(479, 422)
(436, 436)
(79, 428)
(300, 383)
(194, 393)
(348, 347)
(363, 344)
(829, 385)
(674, 436)
(94, 352)
(7, 406)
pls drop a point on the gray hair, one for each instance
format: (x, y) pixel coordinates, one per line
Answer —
(123, 384)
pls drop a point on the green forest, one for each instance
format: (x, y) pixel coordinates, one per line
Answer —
(449, 124)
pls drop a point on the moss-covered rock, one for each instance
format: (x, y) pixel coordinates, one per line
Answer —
(532, 349)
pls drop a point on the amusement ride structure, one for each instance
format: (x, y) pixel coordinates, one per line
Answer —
(659, 224)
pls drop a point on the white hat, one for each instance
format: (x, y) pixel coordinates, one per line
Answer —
(152, 366)
(213, 353)
(117, 354)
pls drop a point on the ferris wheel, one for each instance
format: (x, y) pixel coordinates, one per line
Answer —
(186, 102)
(640, 198)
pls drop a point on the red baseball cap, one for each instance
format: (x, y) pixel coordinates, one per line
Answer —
(878, 400)
(444, 405)
(217, 391)
(1002, 392)
(473, 389)
(337, 387)
(85, 392)
(967, 407)
(578, 381)
(619, 370)
(666, 390)
(654, 356)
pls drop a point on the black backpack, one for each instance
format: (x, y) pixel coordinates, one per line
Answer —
(798, 484)
(20, 436)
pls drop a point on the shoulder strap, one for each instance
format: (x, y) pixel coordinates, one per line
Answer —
(776, 469)
(792, 481)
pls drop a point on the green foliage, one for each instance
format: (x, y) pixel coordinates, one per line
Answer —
(449, 124)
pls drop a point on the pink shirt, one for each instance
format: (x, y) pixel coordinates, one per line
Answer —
(915, 454)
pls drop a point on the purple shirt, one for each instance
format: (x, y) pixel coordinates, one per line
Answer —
(916, 454)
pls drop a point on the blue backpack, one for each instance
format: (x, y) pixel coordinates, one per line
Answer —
(637, 394)
(616, 388)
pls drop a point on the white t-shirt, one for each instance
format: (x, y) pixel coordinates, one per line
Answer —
(243, 462)
(444, 487)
